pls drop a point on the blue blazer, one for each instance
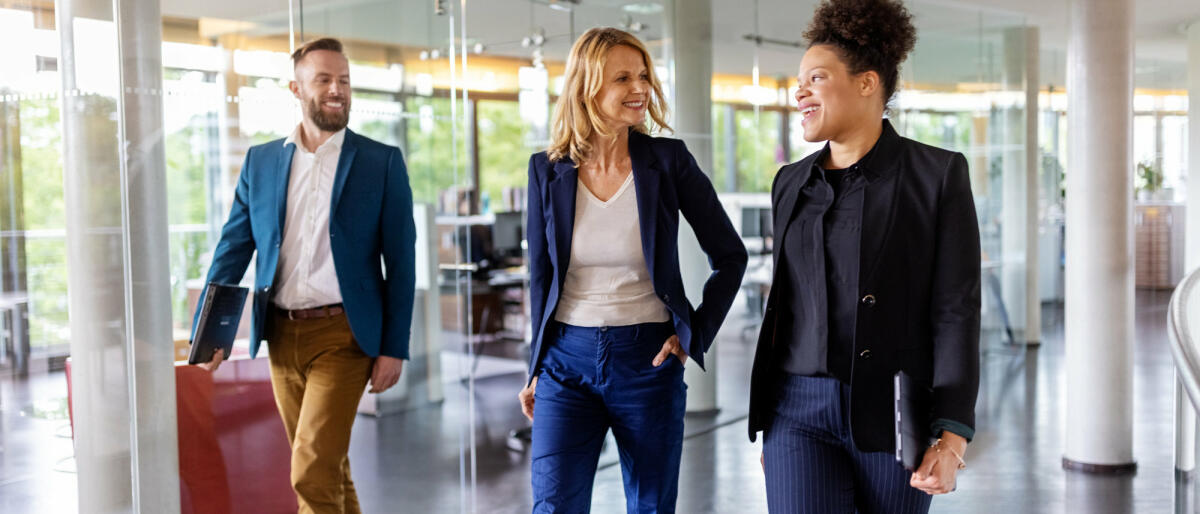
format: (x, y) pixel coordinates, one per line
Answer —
(668, 182)
(371, 216)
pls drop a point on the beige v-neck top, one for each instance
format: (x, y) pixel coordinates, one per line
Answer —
(608, 283)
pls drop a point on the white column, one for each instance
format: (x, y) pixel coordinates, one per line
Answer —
(1192, 225)
(1185, 414)
(1099, 250)
(689, 28)
(114, 181)
(1033, 299)
(1015, 190)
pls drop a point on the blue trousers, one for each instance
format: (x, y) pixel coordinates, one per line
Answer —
(812, 464)
(594, 379)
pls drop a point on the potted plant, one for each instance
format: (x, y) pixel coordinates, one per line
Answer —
(1149, 181)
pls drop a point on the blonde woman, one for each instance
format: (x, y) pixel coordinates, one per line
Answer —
(612, 326)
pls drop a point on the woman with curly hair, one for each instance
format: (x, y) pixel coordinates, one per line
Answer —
(877, 271)
(612, 326)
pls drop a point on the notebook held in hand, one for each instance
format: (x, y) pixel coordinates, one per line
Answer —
(218, 322)
(912, 420)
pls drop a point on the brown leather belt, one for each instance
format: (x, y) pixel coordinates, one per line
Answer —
(323, 311)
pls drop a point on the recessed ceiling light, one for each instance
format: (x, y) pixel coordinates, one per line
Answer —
(643, 8)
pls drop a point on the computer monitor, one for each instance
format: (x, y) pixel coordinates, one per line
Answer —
(766, 223)
(756, 222)
(507, 234)
(751, 226)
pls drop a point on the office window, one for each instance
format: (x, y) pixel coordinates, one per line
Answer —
(505, 143)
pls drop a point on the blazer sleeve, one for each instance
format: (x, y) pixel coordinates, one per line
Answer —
(399, 248)
(955, 304)
(540, 270)
(236, 245)
(721, 243)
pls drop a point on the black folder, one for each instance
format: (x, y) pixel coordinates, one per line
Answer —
(218, 323)
(912, 408)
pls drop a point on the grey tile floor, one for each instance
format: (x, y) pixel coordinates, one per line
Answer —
(412, 462)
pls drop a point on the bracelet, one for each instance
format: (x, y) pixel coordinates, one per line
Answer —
(937, 446)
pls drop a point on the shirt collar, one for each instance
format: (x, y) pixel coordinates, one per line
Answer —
(878, 160)
(334, 142)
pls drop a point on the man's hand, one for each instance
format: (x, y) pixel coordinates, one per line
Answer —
(215, 363)
(385, 373)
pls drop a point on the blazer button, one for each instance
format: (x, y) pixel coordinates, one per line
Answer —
(666, 298)
(865, 354)
(869, 300)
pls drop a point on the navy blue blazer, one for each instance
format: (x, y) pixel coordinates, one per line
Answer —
(668, 182)
(371, 216)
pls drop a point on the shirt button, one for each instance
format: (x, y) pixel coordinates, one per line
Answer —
(869, 300)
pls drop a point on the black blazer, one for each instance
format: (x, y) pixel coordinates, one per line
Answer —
(668, 182)
(918, 283)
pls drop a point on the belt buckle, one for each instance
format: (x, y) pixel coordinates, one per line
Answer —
(291, 315)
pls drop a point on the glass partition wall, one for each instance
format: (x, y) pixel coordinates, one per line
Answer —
(124, 126)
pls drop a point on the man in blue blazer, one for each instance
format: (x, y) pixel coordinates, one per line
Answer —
(322, 208)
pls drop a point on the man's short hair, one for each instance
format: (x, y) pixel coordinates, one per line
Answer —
(325, 43)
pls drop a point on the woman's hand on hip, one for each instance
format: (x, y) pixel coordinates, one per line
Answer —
(526, 397)
(939, 468)
(669, 348)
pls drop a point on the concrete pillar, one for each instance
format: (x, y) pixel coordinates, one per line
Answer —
(1020, 187)
(1185, 413)
(1192, 225)
(689, 31)
(1099, 250)
(1033, 302)
(123, 378)
(1011, 140)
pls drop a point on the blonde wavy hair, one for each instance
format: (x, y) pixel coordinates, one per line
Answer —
(577, 114)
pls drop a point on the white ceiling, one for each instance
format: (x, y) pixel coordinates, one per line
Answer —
(958, 40)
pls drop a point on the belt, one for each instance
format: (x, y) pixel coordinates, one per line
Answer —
(323, 311)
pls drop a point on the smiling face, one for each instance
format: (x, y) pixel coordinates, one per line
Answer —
(831, 99)
(323, 86)
(626, 88)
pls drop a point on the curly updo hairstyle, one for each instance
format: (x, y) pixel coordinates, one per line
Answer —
(868, 35)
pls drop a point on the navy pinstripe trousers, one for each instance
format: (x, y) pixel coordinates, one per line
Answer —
(812, 465)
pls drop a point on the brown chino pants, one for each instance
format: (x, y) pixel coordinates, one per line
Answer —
(318, 374)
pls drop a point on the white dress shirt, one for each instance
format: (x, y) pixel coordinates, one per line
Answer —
(608, 283)
(305, 276)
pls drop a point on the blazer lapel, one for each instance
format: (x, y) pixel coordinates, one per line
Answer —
(283, 173)
(789, 200)
(881, 169)
(343, 169)
(562, 189)
(646, 176)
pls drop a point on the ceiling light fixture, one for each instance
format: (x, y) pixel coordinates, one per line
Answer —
(643, 8)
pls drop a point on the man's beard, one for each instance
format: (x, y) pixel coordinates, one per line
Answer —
(329, 122)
